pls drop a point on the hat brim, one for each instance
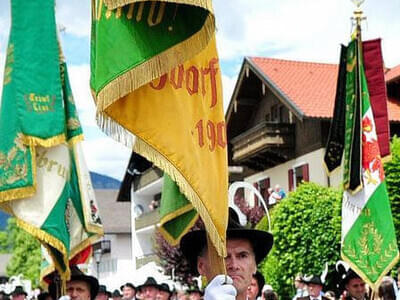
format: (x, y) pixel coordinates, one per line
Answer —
(313, 280)
(92, 281)
(193, 243)
(145, 285)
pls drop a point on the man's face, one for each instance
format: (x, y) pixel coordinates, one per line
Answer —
(298, 284)
(194, 296)
(253, 289)
(18, 297)
(128, 292)
(149, 293)
(240, 264)
(101, 296)
(356, 288)
(314, 289)
(78, 290)
(162, 295)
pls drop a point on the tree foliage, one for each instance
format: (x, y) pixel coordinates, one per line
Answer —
(25, 249)
(306, 228)
(392, 172)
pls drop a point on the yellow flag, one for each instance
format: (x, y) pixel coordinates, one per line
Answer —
(179, 122)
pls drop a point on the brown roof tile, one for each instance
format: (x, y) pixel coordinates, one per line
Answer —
(311, 86)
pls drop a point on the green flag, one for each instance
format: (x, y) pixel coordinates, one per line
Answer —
(44, 182)
(368, 236)
(177, 213)
(150, 37)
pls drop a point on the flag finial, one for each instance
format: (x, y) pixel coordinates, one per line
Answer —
(358, 13)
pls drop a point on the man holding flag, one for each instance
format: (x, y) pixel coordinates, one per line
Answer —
(368, 237)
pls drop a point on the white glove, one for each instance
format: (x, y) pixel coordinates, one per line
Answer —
(220, 288)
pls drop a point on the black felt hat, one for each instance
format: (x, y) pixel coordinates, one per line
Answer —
(194, 289)
(164, 287)
(19, 290)
(103, 290)
(128, 284)
(193, 242)
(116, 293)
(78, 275)
(312, 279)
(150, 281)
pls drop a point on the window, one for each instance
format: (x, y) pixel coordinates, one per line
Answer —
(297, 175)
(282, 114)
(274, 113)
(263, 186)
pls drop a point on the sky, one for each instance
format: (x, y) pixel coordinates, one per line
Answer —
(305, 30)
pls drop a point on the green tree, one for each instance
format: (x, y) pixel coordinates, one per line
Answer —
(25, 249)
(306, 228)
(392, 172)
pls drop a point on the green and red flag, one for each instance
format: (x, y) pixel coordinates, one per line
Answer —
(44, 182)
(155, 75)
(368, 237)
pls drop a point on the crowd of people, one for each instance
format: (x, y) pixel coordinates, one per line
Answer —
(246, 248)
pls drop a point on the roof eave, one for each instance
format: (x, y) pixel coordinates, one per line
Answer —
(275, 89)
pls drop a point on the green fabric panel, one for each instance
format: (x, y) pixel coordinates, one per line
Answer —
(55, 224)
(123, 43)
(350, 108)
(371, 242)
(36, 73)
(177, 226)
(173, 200)
(71, 114)
(75, 191)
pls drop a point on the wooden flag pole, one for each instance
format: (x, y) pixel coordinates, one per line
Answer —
(216, 262)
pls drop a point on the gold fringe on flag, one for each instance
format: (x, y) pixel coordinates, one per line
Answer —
(47, 143)
(365, 278)
(155, 67)
(172, 241)
(49, 241)
(164, 164)
(23, 192)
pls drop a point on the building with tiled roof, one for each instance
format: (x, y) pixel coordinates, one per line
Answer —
(279, 117)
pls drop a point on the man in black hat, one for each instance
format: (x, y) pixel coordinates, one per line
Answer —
(245, 249)
(194, 293)
(314, 287)
(116, 295)
(79, 287)
(103, 294)
(255, 288)
(164, 293)
(128, 291)
(149, 289)
(354, 286)
(18, 293)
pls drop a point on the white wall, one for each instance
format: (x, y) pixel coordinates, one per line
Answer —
(317, 174)
(116, 267)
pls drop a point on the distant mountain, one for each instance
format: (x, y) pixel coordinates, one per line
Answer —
(3, 220)
(104, 182)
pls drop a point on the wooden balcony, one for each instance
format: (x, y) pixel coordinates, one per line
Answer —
(143, 260)
(147, 219)
(264, 146)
